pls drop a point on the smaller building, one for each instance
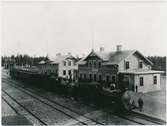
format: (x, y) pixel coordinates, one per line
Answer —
(48, 68)
(141, 81)
(62, 66)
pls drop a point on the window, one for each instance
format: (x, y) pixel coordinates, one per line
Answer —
(95, 64)
(90, 64)
(80, 76)
(94, 77)
(90, 76)
(141, 81)
(113, 79)
(64, 72)
(99, 64)
(84, 76)
(87, 64)
(69, 72)
(107, 78)
(69, 63)
(155, 80)
(140, 64)
(64, 63)
(100, 78)
(127, 64)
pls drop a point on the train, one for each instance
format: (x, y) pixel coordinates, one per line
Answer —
(120, 100)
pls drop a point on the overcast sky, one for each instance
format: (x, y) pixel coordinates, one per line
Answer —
(41, 28)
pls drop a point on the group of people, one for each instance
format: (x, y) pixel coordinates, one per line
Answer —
(140, 104)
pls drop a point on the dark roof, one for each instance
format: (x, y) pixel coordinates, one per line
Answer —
(61, 58)
(81, 61)
(114, 57)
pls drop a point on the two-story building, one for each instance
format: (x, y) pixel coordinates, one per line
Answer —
(67, 67)
(126, 68)
(63, 66)
(47, 68)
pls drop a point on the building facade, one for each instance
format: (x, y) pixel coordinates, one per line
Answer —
(62, 66)
(125, 68)
(47, 68)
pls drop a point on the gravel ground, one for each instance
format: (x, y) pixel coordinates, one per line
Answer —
(41, 110)
(7, 110)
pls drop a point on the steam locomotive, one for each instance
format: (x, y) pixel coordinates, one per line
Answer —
(119, 99)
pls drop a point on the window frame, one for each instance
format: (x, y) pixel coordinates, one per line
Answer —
(69, 72)
(155, 81)
(80, 76)
(141, 81)
(84, 77)
(113, 76)
(90, 76)
(107, 78)
(99, 64)
(95, 77)
(94, 63)
(69, 63)
(100, 77)
(64, 72)
(127, 65)
(140, 64)
(64, 63)
(90, 63)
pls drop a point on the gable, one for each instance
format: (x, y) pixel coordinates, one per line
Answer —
(143, 58)
(92, 55)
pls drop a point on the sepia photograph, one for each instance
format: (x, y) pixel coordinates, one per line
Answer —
(76, 62)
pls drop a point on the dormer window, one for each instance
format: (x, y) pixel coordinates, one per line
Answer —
(99, 64)
(69, 63)
(127, 65)
(90, 64)
(94, 64)
(140, 64)
(64, 63)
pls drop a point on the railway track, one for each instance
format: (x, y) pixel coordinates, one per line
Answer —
(148, 118)
(61, 108)
(141, 120)
(42, 122)
(133, 117)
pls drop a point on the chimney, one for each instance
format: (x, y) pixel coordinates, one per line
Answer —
(119, 48)
(101, 49)
(58, 54)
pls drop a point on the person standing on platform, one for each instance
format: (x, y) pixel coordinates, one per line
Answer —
(140, 103)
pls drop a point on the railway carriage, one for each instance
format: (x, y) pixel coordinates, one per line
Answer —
(90, 92)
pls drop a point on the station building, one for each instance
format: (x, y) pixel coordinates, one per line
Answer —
(63, 66)
(125, 68)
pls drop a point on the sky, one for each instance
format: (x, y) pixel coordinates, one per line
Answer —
(41, 28)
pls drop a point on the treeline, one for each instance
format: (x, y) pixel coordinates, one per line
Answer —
(21, 60)
(159, 63)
